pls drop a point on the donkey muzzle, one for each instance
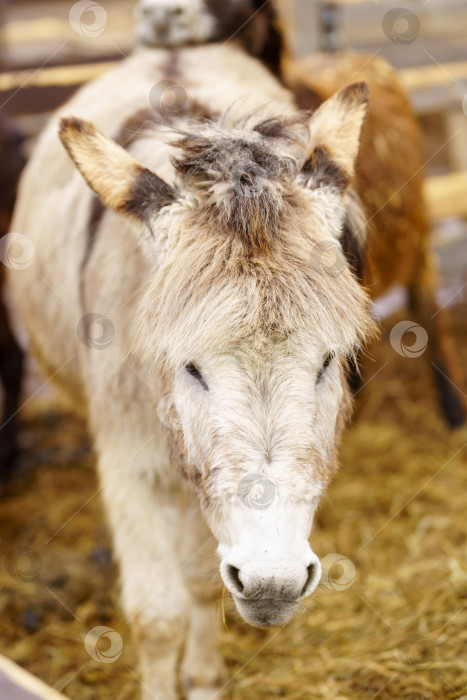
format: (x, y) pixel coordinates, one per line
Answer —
(267, 590)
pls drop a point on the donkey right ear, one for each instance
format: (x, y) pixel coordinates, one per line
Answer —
(119, 181)
(336, 129)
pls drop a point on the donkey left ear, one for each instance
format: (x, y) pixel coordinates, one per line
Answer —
(119, 181)
(335, 135)
(336, 129)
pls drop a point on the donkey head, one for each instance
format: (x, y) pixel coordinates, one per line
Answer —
(251, 317)
(173, 22)
(176, 22)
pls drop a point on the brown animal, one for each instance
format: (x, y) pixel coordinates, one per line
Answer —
(389, 183)
(11, 357)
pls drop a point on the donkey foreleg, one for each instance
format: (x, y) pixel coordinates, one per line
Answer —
(145, 524)
(203, 670)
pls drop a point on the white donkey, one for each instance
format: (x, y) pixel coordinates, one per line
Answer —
(216, 393)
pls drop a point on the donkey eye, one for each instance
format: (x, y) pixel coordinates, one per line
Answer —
(196, 374)
(326, 364)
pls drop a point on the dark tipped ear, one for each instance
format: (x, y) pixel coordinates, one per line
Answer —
(336, 129)
(120, 182)
(335, 135)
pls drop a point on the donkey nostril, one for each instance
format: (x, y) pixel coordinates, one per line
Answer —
(234, 575)
(311, 572)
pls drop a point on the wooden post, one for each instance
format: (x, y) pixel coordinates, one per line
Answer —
(303, 18)
(456, 127)
(446, 196)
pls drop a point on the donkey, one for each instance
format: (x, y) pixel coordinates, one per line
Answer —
(190, 310)
(172, 23)
(390, 161)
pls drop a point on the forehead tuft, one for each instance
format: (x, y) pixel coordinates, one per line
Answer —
(243, 267)
(242, 176)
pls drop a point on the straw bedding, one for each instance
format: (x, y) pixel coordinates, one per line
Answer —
(391, 623)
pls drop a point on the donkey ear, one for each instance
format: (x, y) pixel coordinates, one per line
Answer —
(336, 130)
(119, 181)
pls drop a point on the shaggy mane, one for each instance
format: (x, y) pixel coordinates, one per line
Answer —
(243, 269)
(243, 176)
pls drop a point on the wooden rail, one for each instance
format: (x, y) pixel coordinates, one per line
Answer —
(34, 33)
(420, 78)
(446, 196)
(56, 76)
(357, 22)
(436, 88)
(430, 76)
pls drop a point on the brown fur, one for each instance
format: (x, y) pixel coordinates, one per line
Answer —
(254, 23)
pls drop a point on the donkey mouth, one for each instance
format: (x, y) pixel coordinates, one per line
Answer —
(266, 612)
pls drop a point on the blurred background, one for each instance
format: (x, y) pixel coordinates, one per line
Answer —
(393, 622)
